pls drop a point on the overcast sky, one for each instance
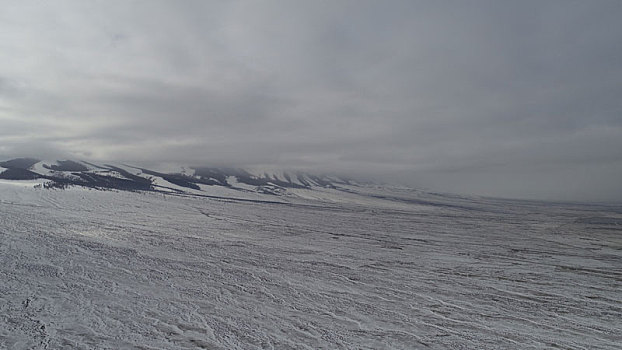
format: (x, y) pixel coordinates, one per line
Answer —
(504, 98)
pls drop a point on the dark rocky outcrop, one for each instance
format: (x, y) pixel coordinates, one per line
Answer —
(18, 174)
(19, 163)
(67, 165)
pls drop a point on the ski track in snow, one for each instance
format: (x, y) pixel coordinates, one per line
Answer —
(86, 269)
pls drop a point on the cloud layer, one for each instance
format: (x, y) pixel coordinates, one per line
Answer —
(514, 99)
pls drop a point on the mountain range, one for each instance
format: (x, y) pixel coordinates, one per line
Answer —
(188, 180)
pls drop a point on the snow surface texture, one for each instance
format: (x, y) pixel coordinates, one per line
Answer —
(369, 268)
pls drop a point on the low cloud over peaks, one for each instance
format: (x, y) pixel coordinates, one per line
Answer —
(510, 99)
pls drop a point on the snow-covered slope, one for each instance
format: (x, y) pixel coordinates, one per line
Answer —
(178, 179)
(317, 268)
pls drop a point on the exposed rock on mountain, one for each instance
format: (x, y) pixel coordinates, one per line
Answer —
(63, 173)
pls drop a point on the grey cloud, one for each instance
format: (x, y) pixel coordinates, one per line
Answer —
(486, 97)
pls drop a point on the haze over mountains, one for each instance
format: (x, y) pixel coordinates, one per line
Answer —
(508, 99)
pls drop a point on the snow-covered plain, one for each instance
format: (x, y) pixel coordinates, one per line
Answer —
(368, 268)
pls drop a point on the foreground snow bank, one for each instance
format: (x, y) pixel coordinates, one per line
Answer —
(85, 269)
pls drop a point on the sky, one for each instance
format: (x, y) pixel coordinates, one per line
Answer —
(517, 99)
